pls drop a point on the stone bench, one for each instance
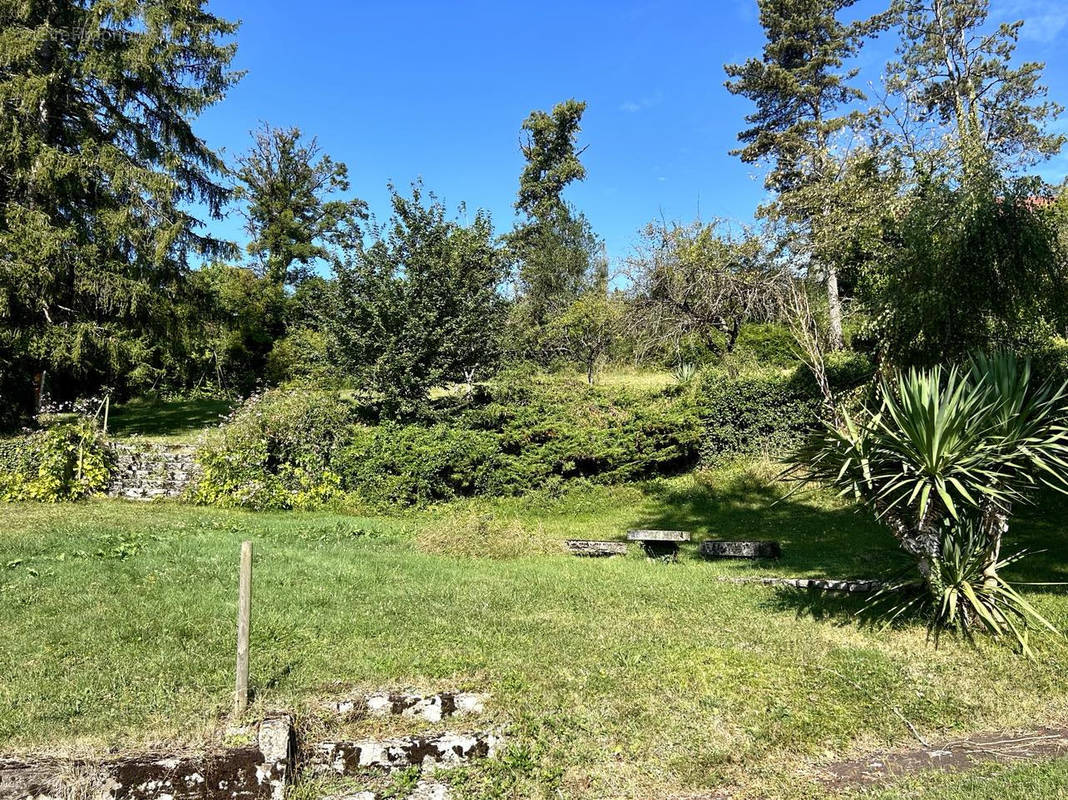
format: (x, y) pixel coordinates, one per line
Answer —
(755, 549)
(659, 544)
(595, 549)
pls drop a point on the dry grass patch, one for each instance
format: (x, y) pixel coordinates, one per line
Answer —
(478, 533)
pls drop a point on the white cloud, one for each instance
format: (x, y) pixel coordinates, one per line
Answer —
(1044, 20)
(633, 106)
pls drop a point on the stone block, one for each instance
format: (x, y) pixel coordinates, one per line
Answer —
(751, 549)
(595, 549)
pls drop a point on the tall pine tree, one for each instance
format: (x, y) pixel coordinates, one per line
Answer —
(99, 170)
(802, 93)
(962, 94)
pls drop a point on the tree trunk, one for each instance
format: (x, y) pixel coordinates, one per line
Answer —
(732, 332)
(923, 542)
(834, 310)
(835, 340)
(995, 526)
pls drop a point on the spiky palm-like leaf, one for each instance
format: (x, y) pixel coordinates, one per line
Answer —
(947, 440)
(942, 460)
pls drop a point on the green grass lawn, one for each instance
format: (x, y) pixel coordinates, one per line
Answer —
(612, 678)
(166, 420)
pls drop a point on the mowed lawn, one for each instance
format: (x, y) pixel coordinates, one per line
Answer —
(611, 678)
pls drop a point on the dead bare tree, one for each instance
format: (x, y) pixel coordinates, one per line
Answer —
(812, 347)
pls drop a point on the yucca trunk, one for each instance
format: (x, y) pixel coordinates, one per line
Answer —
(994, 526)
(923, 541)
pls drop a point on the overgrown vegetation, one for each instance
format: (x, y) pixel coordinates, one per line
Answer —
(498, 388)
(275, 451)
(69, 461)
(294, 449)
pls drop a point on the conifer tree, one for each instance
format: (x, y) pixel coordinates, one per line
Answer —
(968, 104)
(100, 169)
(802, 91)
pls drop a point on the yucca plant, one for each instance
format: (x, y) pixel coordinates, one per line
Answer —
(965, 591)
(685, 372)
(942, 461)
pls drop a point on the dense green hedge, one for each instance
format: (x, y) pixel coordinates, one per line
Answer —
(530, 434)
(767, 411)
(754, 413)
(415, 463)
(299, 449)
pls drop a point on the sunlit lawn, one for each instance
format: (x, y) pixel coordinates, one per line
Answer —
(174, 420)
(612, 677)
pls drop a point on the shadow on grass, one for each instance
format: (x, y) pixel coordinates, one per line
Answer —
(820, 535)
(837, 607)
(166, 417)
(1040, 529)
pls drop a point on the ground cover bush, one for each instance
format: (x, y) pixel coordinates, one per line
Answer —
(68, 461)
(297, 449)
(276, 451)
(523, 432)
(522, 435)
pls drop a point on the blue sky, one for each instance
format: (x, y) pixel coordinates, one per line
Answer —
(401, 90)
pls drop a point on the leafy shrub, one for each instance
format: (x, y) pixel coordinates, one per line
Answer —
(756, 412)
(301, 355)
(526, 433)
(761, 412)
(521, 433)
(65, 462)
(411, 464)
(275, 451)
(552, 430)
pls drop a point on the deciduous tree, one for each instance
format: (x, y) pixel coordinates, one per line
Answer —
(698, 280)
(420, 307)
(587, 329)
(293, 210)
(554, 246)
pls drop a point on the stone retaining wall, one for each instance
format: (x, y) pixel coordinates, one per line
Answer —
(146, 471)
(255, 772)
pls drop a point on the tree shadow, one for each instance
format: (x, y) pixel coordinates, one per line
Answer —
(821, 536)
(837, 607)
(1041, 530)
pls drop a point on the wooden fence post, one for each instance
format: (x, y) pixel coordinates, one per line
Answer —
(244, 618)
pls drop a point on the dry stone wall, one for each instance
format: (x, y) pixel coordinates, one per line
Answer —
(147, 470)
